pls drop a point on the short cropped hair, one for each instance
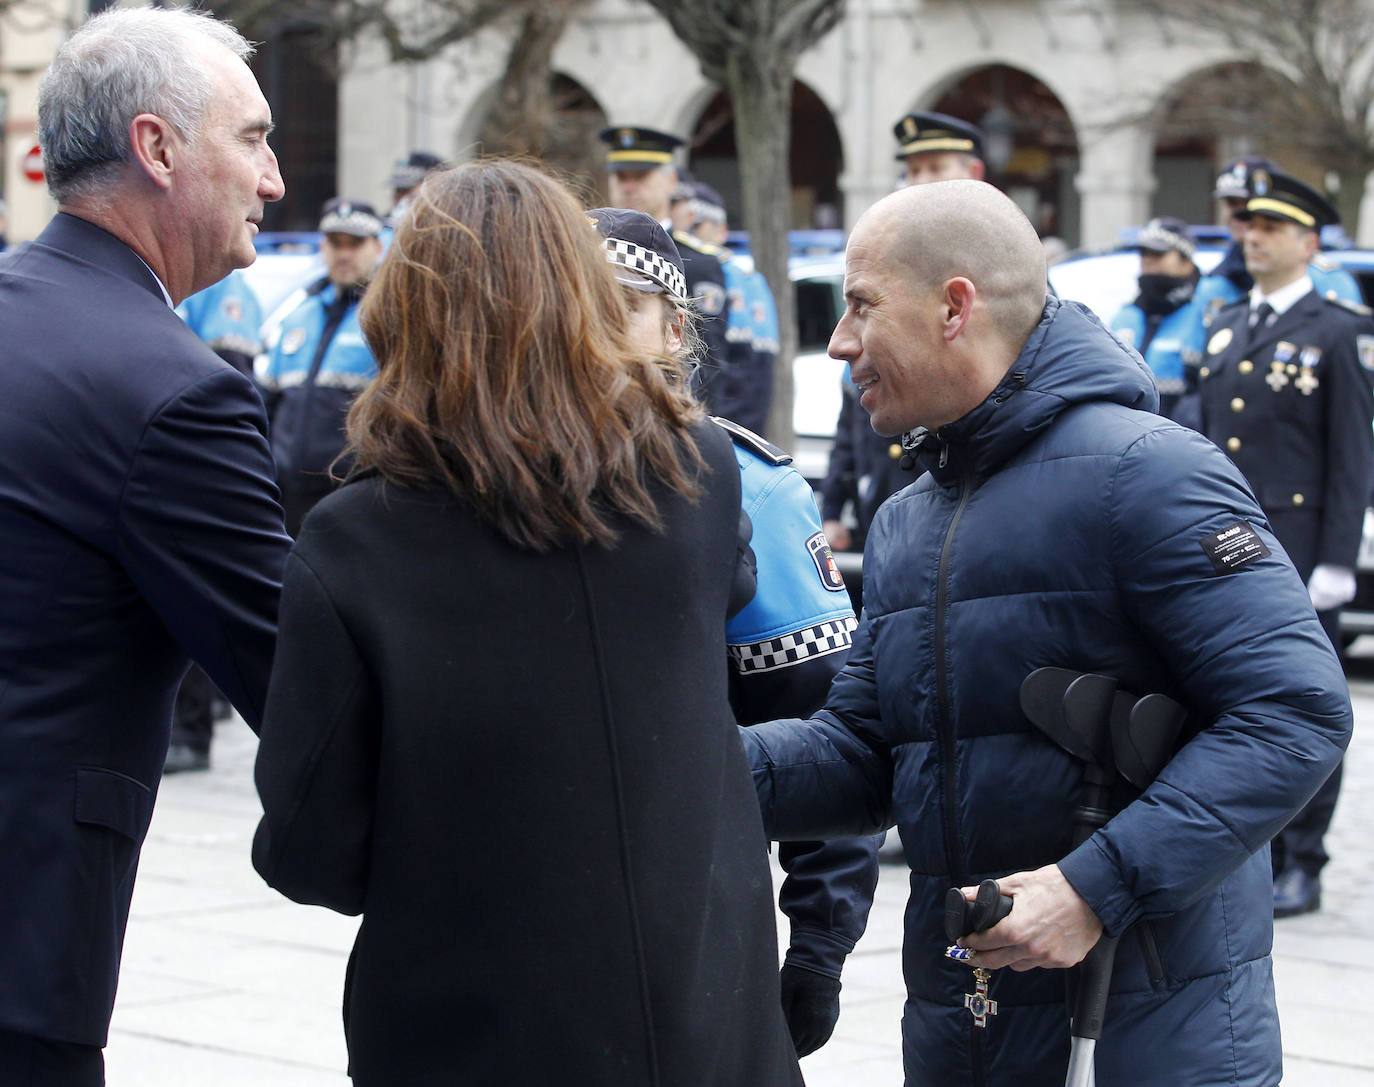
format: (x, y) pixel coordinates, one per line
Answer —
(118, 64)
(506, 373)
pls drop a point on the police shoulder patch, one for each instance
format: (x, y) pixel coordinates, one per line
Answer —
(1364, 348)
(747, 439)
(293, 341)
(710, 297)
(819, 548)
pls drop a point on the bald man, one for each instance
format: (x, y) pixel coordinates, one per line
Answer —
(1060, 522)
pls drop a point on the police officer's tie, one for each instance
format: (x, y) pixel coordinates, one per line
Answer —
(1260, 315)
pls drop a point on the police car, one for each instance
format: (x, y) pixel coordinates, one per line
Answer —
(1104, 282)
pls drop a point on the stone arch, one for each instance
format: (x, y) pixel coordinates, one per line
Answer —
(1208, 117)
(815, 164)
(1032, 147)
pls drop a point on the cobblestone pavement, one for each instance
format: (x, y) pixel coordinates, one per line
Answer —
(225, 984)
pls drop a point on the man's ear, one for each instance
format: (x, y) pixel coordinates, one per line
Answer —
(153, 147)
(958, 301)
(977, 169)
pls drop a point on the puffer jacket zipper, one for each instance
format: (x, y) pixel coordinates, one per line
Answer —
(954, 847)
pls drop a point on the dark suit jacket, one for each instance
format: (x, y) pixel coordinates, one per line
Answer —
(441, 696)
(139, 525)
(1290, 402)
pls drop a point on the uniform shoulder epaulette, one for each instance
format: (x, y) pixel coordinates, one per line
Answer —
(747, 439)
(693, 242)
(1345, 303)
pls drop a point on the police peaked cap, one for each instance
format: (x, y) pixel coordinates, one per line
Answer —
(643, 255)
(411, 170)
(1278, 196)
(707, 205)
(919, 132)
(1166, 235)
(1233, 183)
(631, 147)
(344, 216)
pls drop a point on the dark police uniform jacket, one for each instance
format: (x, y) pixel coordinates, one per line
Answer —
(865, 466)
(139, 525)
(1290, 403)
(724, 377)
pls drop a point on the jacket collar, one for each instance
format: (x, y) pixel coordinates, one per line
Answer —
(1068, 359)
(85, 241)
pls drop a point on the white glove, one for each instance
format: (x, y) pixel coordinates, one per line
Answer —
(1331, 586)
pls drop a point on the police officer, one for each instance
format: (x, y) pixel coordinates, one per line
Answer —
(938, 147)
(1155, 322)
(1230, 281)
(318, 361)
(643, 177)
(405, 178)
(228, 317)
(784, 646)
(1284, 388)
(751, 317)
(866, 468)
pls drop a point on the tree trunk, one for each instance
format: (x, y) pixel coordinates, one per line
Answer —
(521, 118)
(762, 98)
(1348, 201)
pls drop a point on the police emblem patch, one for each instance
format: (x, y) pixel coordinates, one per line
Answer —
(1364, 347)
(710, 298)
(819, 548)
(293, 341)
(1219, 341)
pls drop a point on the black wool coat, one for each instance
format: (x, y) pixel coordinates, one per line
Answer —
(523, 772)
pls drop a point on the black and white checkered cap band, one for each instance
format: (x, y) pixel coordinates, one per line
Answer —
(647, 263)
(790, 649)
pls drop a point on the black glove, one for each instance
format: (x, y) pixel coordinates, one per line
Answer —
(811, 1005)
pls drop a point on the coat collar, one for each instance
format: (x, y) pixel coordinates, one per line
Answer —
(85, 241)
(1069, 359)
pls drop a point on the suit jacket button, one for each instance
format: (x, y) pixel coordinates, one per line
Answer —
(1298, 500)
(1206, 371)
(1233, 444)
(1237, 404)
(1246, 366)
(895, 450)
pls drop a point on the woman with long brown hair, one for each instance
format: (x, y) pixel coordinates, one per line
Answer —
(488, 730)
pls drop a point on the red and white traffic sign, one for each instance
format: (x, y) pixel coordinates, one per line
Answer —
(32, 163)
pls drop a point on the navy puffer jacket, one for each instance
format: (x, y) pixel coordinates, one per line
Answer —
(1061, 523)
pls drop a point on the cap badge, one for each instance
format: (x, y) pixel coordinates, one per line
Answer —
(626, 137)
(909, 127)
(1260, 182)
